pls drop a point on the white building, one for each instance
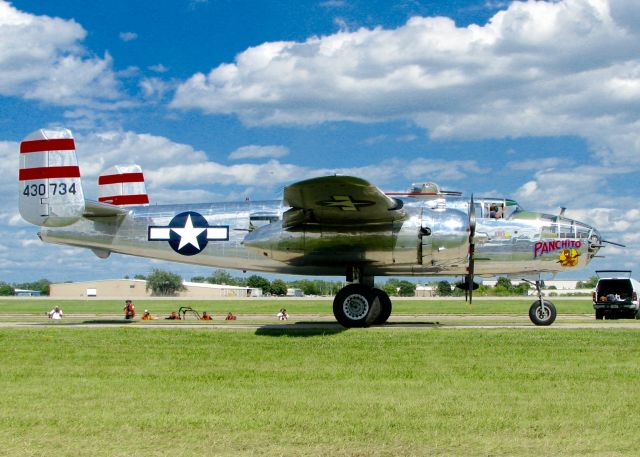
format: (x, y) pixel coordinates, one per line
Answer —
(137, 288)
(294, 292)
(425, 291)
(552, 286)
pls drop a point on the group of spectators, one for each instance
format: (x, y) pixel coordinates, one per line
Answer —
(130, 312)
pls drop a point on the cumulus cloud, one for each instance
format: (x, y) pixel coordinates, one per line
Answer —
(155, 88)
(41, 58)
(256, 152)
(175, 170)
(540, 68)
(573, 186)
(98, 151)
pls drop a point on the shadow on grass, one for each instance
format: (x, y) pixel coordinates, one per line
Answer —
(301, 329)
(305, 329)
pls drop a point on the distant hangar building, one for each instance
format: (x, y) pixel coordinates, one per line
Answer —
(137, 288)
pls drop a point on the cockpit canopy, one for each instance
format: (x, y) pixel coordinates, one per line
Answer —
(496, 208)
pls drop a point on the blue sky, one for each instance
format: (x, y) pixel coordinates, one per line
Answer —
(537, 101)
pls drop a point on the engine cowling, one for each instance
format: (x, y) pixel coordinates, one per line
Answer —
(449, 240)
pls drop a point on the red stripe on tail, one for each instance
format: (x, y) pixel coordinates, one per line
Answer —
(61, 144)
(28, 174)
(141, 199)
(121, 178)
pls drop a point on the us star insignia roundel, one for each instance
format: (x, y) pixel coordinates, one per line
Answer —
(188, 233)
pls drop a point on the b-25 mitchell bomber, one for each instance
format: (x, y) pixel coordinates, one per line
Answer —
(329, 226)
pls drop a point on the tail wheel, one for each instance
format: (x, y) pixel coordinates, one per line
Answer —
(353, 304)
(384, 308)
(542, 312)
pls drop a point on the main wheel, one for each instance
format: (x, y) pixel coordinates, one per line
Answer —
(599, 314)
(352, 305)
(384, 308)
(542, 315)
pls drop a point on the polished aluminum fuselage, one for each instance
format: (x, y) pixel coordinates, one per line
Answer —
(433, 239)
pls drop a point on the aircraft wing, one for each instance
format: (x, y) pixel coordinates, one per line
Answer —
(339, 200)
(94, 209)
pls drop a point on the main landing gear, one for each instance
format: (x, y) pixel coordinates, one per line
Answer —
(542, 312)
(361, 305)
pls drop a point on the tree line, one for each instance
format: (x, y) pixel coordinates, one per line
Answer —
(41, 285)
(164, 283)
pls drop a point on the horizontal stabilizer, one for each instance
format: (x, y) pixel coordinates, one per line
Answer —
(96, 209)
(50, 191)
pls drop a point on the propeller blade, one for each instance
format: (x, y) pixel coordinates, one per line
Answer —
(470, 276)
(472, 249)
(472, 219)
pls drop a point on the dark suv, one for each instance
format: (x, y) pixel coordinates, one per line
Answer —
(616, 295)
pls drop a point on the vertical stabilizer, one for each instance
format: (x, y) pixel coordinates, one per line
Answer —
(49, 189)
(123, 185)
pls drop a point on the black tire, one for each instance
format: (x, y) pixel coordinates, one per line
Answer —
(352, 305)
(599, 314)
(384, 308)
(540, 317)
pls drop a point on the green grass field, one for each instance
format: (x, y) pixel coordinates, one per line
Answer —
(379, 392)
(295, 307)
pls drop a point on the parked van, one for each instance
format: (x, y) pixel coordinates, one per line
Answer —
(616, 295)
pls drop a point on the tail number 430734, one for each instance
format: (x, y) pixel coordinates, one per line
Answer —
(39, 190)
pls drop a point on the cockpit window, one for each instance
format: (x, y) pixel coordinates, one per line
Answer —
(497, 209)
(510, 210)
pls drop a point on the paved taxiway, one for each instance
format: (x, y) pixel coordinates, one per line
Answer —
(315, 322)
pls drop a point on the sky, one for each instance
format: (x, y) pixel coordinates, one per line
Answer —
(222, 100)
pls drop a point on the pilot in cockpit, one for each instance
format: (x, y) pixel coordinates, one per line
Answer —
(496, 211)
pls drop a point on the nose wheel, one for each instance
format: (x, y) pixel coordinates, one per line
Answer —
(541, 312)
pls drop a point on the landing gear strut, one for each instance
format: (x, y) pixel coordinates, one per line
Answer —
(542, 312)
(360, 304)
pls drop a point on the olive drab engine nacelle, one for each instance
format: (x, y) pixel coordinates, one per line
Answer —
(50, 193)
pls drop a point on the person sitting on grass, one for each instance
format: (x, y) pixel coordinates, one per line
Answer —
(147, 315)
(173, 316)
(55, 313)
(230, 317)
(206, 316)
